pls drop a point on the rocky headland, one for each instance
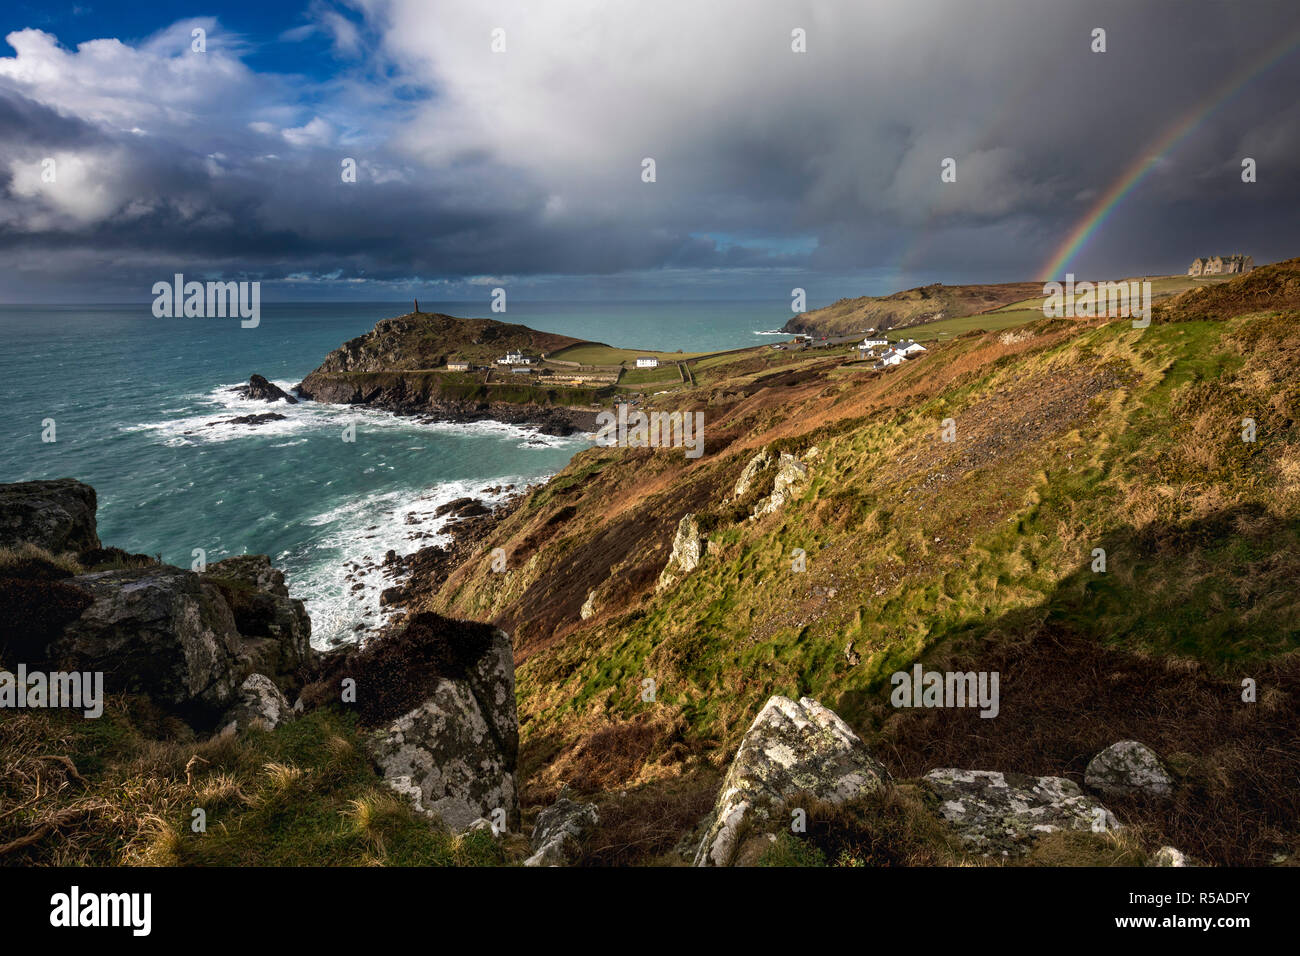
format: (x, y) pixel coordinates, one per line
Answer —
(398, 366)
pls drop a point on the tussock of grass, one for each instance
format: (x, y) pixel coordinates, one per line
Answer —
(29, 561)
(303, 794)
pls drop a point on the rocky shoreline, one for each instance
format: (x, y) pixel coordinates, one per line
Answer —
(418, 574)
(556, 420)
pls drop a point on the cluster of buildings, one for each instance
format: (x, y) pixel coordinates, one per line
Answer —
(1221, 265)
(878, 348)
(515, 358)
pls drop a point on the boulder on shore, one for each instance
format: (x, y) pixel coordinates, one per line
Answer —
(185, 640)
(791, 748)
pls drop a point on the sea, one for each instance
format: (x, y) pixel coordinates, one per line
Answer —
(139, 407)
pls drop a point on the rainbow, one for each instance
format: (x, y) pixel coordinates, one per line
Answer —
(1147, 159)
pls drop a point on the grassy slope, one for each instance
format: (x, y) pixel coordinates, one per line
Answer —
(910, 307)
(1071, 436)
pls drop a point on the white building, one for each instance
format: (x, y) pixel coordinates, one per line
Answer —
(515, 358)
(892, 357)
(909, 347)
(647, 361)
(871, 341)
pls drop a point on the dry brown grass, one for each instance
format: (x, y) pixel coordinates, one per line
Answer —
(645, 826)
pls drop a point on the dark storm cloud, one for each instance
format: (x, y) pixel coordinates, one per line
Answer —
(526, 165)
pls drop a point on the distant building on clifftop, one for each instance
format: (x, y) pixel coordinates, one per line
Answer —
(1221, 265)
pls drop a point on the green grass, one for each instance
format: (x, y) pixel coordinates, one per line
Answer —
(596, 354)
(304, 794)
(664, 374)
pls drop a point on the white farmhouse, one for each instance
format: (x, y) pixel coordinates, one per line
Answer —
(871, 341)
(909, 348)
(515, 358)
(647, 361)
(892, 357)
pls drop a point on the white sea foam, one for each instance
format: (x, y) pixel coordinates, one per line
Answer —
(356, 536)
(216, 425)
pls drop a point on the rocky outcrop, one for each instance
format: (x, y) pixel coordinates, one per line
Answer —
(688, 547)
(57, 515)
(1001, 815)
(185, 640)
(790, 474)
(441, 697)
(559, 832)
(275, 626)
(159, 631)
(260, 704)
(259, 389)
(791, 748)
(1128, 767)
(753, 471)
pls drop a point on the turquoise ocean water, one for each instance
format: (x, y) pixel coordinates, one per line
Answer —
(137, 404)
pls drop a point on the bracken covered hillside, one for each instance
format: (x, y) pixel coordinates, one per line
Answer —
(976, 553)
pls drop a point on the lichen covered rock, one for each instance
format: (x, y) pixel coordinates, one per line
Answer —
(791, 748)
(754, 469)
(260, 704)
(1168, 856)
(454, 753)
(559, 832)
(1128, 767)
(57, 515)
(790, 474)
(161, 631)
(688, 547)
(1001, 815)
(275, 626)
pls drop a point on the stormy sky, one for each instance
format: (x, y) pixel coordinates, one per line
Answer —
(524, 167)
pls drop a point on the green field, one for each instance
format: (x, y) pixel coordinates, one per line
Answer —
(593, 353)
(665, 374)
